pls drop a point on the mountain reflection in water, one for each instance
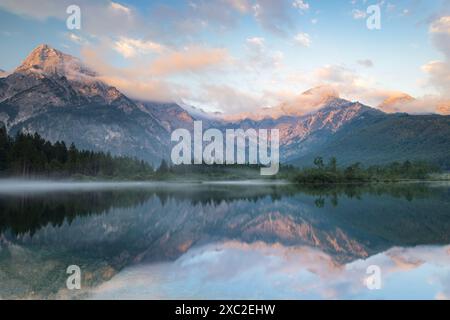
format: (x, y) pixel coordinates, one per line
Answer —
(223, 241)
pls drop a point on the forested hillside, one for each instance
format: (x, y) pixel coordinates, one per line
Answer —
(28, 155)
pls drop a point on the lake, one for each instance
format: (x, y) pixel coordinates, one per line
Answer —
(246, 240)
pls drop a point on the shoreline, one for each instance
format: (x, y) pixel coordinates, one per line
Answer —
(12, 185)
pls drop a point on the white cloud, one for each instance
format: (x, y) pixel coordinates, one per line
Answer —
(129, 47)
(439, 71)
(280, 271)
(303, 39)
(77, 39)
(358, 14)
(442, 25)
(256, 41)
(260, 57)
(273, 16)
(439, 76)
(101, 17)
(120, 7)
(301, 5)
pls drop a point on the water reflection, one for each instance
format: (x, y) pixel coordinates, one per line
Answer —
(236, 270)
(105, 231)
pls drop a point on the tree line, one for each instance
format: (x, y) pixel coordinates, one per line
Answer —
(29, 155)
(329, 172)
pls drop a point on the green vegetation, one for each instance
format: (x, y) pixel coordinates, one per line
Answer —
(329, 173)
(208, 172)
(382, 139)
(31, 156)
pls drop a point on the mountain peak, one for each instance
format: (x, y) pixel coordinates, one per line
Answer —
(50, 61)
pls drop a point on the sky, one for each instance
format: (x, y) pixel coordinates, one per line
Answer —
(235, 56)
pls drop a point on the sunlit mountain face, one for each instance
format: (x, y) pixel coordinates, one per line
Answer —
(348, 85)
(59, 97)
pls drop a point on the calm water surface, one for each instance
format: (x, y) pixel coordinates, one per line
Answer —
(224, 241)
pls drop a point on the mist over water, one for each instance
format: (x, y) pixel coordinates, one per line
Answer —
(223, 240)
(11, 186)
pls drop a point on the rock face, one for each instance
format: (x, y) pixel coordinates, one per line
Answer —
(299, 134)
(54, 94)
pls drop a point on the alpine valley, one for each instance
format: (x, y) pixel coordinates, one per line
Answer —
(57, 96)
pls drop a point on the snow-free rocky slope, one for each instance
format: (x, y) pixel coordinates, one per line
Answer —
(56, 95)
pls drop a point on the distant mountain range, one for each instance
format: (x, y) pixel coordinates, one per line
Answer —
(54, 94)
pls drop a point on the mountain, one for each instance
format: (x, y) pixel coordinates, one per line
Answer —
(305, 103)
(170, 115)
(384, 138)
(55, 95)
(353, 132)
(300, 133)
(3, 73)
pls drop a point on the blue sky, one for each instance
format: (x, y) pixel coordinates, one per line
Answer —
(240, 55)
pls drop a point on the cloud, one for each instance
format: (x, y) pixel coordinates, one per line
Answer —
(232, 100)
(119, 7)
(443, 108)
(149, 77)
(303, 39)
(102, 17)
(439, 76)
(278, 271)
(260, 57)
(136, 81)
(77, 39)
(40, 10)
(358, 14)
(300, 5)
(353, 86)
(243, 6)
(395, 101)
(273, 16)
(189, 60)
(129, 47)
(188, 20)
(3, 73)
(148, 90)
(441, 25)
(439, 71)
(365, 63)
(335, 74)
(440, 34)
